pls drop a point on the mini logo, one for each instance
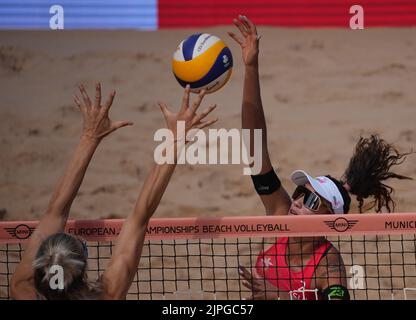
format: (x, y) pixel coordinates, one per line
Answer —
(341, 224)
(22, 231)
(224, 59)
(321, 180)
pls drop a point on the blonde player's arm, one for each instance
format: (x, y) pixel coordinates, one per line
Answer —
(124, 262)
(96, 126)
(273, 195)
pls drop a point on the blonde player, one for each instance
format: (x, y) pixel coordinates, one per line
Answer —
(50, 248)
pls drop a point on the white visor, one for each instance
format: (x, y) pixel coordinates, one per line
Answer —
(323, 186)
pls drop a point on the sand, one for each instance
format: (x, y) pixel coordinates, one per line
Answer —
(321, 90)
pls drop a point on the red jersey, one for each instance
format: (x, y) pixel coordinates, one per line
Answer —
(271, 265)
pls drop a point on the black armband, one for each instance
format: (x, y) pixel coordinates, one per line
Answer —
(336, 292)
(266, 183)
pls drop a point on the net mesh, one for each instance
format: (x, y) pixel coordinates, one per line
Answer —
(376, 266)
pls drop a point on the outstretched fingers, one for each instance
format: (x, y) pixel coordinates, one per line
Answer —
(204, 124)
(240, 27)
(85, 97)
(254, 285)
(114, 126)
(97, 101)
(248, 285)
(78, 103)
(198, 101)
(119, 124)
(251, 279)
(198, 119)
(165, 110)
(249, 25)
(236, 38)
(244, 273)
(185, 99)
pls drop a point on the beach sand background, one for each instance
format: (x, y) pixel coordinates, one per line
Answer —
(321, 90)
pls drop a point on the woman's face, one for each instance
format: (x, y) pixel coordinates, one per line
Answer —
(299, 209)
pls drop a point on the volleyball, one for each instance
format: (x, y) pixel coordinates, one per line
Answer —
(203, 61)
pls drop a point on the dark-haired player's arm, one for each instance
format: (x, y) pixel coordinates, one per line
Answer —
(96, 126)
(274, 197)
(123, 265)
(331, 277)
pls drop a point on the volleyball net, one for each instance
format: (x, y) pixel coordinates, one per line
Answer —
(199, 258)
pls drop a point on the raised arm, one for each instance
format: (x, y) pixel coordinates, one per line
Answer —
(278, 202)
(96, 126)
(124, 262)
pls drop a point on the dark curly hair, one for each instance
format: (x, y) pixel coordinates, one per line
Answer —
(369, 167)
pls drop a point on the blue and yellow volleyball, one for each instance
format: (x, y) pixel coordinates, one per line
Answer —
(203, 61)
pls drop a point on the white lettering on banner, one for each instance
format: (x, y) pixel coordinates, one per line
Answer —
(221, 228)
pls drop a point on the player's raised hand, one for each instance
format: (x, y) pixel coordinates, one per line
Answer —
(188, 114)
(97, 123)
(248, 39)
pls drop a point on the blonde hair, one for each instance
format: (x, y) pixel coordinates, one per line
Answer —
(67, 252)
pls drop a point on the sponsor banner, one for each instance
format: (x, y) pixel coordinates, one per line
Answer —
(79, 14)
(155, 14)
(291, 13)
(230, 227)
